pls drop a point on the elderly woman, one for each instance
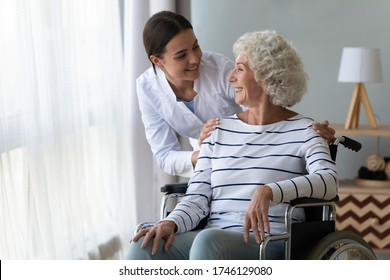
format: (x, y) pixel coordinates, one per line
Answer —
(251, 166)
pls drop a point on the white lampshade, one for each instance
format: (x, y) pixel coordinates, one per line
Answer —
(360, 65)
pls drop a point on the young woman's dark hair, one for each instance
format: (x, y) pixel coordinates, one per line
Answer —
(160, 29)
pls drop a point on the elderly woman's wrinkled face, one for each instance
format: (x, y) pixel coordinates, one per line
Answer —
(243, 80)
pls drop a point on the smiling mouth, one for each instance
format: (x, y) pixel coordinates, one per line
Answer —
(193, 68)
(238, 89)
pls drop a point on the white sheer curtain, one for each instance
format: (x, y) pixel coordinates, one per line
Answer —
(66, 168)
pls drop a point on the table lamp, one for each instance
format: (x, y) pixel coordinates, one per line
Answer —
(360, 65)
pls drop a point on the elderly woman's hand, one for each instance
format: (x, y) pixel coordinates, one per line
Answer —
(325, 131)
(164, 230)
(208, 127)
(256, 217)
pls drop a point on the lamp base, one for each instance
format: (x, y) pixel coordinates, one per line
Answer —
(359, 95)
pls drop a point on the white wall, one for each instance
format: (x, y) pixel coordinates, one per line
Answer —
(319, 30)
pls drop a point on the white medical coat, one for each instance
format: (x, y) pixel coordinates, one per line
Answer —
(164, 117)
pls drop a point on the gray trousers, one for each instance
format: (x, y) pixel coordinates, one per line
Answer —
(207, 244)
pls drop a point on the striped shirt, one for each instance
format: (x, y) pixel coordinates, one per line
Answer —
(288, 156)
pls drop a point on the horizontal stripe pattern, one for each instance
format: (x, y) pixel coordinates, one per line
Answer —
(289, 156)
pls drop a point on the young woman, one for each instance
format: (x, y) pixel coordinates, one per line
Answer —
(251, 166)
(185, 92)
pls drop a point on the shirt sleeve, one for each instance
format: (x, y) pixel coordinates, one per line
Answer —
(163, 140)
(321, 180)
(195, 205)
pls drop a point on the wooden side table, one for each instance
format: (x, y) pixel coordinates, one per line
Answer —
(366, 211)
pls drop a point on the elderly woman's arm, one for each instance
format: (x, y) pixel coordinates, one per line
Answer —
(196, 203)
(320, 182)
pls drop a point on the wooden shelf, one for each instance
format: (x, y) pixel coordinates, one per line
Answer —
(363, 130)
(353, 186)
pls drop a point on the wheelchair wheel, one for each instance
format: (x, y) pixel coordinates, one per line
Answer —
(342, 245)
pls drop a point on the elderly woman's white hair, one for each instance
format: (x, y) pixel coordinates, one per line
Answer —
(274, 61)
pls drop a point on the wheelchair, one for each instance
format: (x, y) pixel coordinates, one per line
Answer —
(314, 239)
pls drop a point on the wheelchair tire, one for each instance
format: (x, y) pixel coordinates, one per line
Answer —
(342, 245)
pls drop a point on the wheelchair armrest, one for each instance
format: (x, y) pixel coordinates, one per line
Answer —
(310, 200)
(174, 188)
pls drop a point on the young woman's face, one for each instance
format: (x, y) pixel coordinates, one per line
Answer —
(243, 80)
(181, 60)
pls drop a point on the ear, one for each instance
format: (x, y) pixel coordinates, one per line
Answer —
(155, 60)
